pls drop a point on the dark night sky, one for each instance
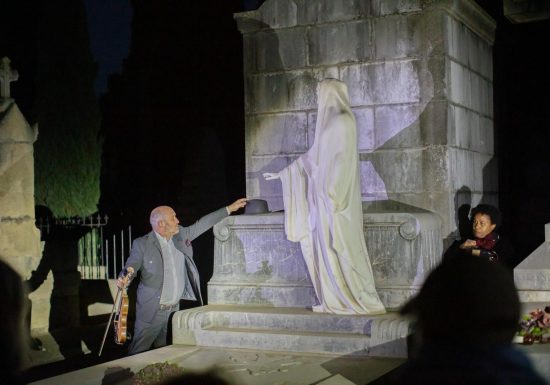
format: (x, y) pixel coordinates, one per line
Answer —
(109, 23)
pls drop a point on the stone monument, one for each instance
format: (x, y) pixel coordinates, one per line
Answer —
(532, 276)
(419, 75)
(19, 237)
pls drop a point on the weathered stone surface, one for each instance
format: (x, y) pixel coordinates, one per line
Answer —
(459, 84)
(469, 130)
(372, 186)
(407, 36)
(289, 91)
(365, 128)
(432, 118)
(532, 276)
(19, 237)
(397, 126)
(17, 180)
(291, 330)
(339, 43)
(14, 128)
(388, 7)
(288, 133)
(322, 11)
(279, 13)
(283, 49)
(469, 13)
(385, 83)
(255, 264)
(462, 163)
(413, 170)
(456, 40)
(436, 77)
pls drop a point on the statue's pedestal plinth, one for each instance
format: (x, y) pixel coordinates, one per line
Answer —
(260, 294)
(532, 276)
(254, 263)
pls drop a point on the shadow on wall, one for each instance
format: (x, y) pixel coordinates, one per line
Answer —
(60, 256)
(287, 137)
(380, 126)
(69, 318)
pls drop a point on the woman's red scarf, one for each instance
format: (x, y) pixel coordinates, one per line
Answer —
(487, 243)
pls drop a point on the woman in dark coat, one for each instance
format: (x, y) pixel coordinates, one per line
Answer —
(485, 241)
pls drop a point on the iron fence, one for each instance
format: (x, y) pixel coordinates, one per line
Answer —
(100, 256)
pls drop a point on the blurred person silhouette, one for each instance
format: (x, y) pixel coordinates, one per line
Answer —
(195, 378)
(13, 333)
(467, 313)
(486, 243)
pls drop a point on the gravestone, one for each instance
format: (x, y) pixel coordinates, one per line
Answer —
(19, 237)
(532, 276)
(419, 75)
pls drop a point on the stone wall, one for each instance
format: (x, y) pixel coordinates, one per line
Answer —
(19, 237)
(419, 75)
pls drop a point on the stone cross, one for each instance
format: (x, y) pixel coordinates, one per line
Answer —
(7, 75)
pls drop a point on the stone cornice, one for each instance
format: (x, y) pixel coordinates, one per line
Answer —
(469, 13)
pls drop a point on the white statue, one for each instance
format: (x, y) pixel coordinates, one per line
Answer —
(323, 210)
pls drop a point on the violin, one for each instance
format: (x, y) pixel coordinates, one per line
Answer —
(120, 322)
(120, 312)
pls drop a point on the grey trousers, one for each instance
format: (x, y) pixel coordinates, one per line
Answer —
(153, 334)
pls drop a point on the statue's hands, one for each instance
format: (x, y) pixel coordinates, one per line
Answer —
(238, 204)
(271, 175)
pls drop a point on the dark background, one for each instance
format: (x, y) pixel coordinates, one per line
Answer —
(172, 120)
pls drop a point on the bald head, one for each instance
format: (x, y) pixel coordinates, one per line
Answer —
(163, 220)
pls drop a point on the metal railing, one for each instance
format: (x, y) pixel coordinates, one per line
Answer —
(99, 257)
(116, 252)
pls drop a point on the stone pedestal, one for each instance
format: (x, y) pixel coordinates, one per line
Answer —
(254, 263)
(260, 294)
(419, 75)
(532, 276)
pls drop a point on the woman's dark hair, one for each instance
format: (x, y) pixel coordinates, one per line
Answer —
(491, 211)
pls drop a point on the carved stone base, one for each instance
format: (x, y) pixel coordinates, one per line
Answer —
(254, 263)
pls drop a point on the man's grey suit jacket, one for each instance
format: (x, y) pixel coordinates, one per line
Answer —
(146, 257)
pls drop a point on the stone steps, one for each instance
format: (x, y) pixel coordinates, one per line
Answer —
(291, 329)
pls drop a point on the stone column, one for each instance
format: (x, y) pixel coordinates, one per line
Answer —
(419, 75)
(19, 237)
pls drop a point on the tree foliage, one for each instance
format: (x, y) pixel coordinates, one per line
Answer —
(68, 149)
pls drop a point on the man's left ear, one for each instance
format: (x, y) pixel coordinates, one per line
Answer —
(493, 226)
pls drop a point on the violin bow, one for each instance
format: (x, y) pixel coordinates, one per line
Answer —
(110, 320)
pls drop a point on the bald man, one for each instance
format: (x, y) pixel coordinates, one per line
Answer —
(168, 273)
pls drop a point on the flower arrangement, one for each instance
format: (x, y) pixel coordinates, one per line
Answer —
(156, 374)
(535, 326)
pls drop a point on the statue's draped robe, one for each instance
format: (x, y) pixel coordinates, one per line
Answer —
(323, 210)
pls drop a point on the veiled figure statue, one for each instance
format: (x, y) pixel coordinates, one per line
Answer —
(323, 210)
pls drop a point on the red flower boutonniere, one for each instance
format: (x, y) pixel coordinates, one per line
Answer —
(187, 243)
